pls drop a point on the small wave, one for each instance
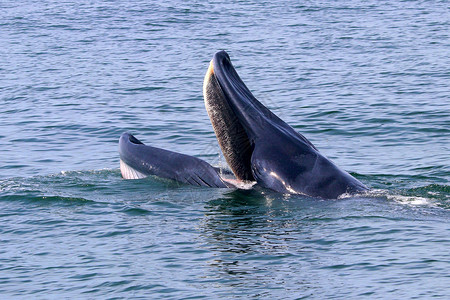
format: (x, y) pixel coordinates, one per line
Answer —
(411, 200)
(105, 171)
(95, 185)
(136, 211)
(69, 186)
(144, 88)
(417, 189)
(404, 197)
(47, 199)
(434, 190)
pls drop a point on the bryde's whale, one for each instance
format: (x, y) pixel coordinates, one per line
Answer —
(257, 145)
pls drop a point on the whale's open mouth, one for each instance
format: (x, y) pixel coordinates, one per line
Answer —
(259, 146)
(238, 118)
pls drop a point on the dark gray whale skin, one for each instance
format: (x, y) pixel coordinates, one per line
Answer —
(149, 160)
(281, 159)
(257, 145)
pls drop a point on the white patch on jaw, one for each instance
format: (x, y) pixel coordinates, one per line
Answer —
(288, 187)
(240, 184)
(130, 173)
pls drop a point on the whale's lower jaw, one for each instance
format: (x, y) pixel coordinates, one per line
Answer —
(130, 173)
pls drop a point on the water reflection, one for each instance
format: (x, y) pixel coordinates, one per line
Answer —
(258, 237)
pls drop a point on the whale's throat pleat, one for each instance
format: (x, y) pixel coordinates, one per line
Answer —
(230, 134)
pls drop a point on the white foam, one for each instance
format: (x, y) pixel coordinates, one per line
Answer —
(240, 184)
(402, 199)
(410, 200)
(130, 173)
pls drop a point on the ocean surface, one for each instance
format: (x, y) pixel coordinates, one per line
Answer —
(367, 82)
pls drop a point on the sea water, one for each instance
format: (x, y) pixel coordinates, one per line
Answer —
(367, 82)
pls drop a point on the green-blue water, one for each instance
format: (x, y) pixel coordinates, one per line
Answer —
(366, 82)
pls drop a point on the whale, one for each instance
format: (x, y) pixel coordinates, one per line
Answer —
(257, 145)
